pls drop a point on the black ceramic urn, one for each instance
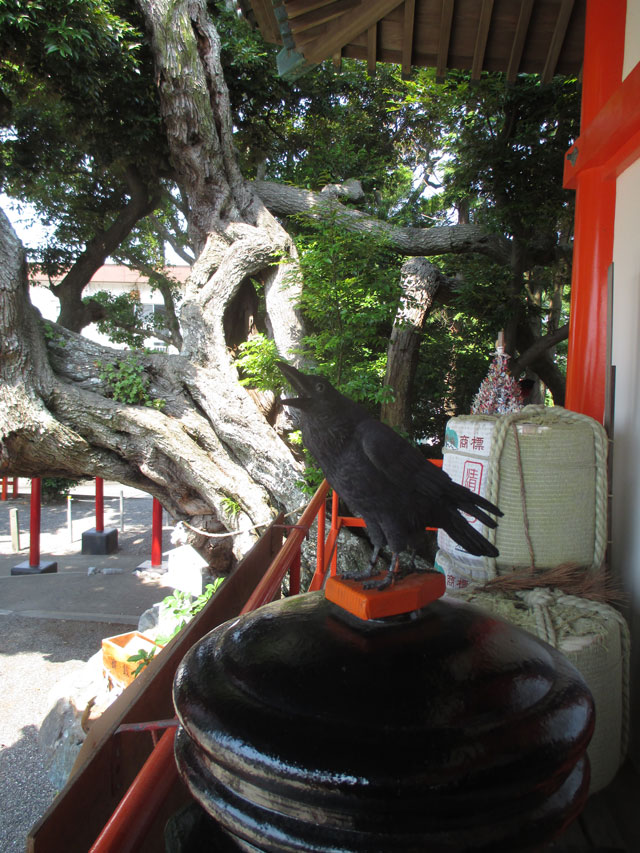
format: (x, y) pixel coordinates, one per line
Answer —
(303, 728)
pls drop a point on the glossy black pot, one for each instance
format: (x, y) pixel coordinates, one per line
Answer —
(305, 729)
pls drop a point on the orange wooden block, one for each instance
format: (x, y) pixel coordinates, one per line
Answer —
(410, 593)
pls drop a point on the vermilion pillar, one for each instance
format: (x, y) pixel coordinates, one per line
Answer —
(34, 566)
(99, 504)
(156, 534)
(34, 524)
(595, 210)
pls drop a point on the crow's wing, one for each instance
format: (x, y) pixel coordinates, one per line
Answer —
(408, 470)
(398, 461)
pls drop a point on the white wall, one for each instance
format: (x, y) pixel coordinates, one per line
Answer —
(632, 37)
(625, 520)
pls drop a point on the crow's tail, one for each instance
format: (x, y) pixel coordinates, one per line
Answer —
(467, 536)
(473, 504)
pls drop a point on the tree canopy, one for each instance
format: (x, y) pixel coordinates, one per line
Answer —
(300, 206)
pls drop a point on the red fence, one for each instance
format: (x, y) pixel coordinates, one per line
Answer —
(141, 805)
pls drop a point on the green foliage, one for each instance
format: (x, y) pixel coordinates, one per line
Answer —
(124, 323)
(184, 606)
(231, 507)
(56, 488)
(351, 293)
(144, 656)
(52, 336)
(128, 382)
(257, 362)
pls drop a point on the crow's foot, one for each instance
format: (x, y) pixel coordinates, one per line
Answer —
(360, 576)
(392, 575)
(382, 583)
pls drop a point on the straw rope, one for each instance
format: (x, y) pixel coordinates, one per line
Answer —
(558, 617)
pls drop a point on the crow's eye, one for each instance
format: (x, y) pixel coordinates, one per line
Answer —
(320, 387)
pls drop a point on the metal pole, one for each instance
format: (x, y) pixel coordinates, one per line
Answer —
(34, 524)
(99, 504)
(69, 518)
(14, 525)
(121, 511)
(156, 534)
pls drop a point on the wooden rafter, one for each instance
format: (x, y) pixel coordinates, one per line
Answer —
(321, 16)
(355, 23)
(372, 48)
(557, 39)
(481, 39)
(526, 7)
(446, 20)
(407, 36)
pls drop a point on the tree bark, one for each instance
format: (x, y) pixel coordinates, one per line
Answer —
(419, 281)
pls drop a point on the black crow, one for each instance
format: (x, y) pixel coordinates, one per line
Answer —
(382, 477)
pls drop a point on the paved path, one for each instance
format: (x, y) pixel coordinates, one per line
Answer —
(51, 624)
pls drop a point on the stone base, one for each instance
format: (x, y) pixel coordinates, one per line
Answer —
(41, 569)
(100, 541)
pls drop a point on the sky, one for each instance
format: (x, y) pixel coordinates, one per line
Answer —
(25, 222)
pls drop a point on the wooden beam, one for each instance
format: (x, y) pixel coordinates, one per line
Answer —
(301, 7)
(372, 49)
(481, 39)
(367, 13)
(446, 19)
(310, 36)
(559, 33)
(337, 60)
(321, 16)
(517, 47)
(407, 36)
(266, 20)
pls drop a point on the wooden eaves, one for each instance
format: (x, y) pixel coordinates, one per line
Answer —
(543, 37)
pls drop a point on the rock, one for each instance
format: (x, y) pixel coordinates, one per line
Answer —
(159, 621)
(76, 701)
(188, 571)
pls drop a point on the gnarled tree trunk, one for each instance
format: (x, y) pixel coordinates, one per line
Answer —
(208, 448)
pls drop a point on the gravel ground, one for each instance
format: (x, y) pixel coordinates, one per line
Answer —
(35, 654)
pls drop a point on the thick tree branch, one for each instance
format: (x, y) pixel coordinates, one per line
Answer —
(74, 313)
(284, 200)
(538, 348)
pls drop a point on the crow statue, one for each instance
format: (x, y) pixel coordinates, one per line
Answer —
(382, 477)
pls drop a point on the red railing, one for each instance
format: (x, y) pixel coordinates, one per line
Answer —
(139, 807)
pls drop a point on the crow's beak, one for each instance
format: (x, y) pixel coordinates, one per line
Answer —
(300, 383)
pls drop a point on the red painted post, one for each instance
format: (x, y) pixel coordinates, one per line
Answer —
(34, 524)
(294, 575)
(156, 534)
(16, 487)
(99, 505)
(334, 524)
(322, 516)
(4, 488)
(595, 212)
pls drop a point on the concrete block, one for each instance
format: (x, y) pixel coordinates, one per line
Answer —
(100, 541)
(41, 569)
